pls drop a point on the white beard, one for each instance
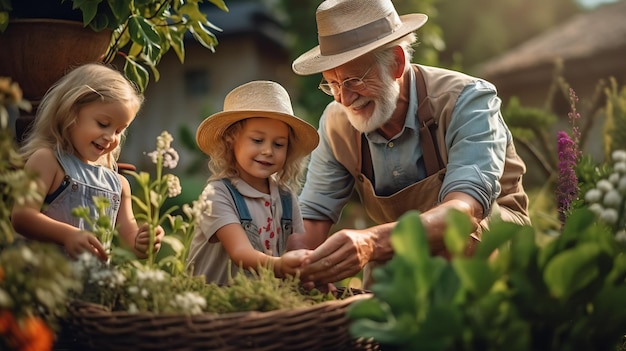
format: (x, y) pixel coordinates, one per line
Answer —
(384, 106)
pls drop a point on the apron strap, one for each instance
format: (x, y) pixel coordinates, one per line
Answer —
(427, 128)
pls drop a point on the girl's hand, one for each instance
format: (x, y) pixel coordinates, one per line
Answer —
(142, 239)
(291, 262)
(81, 241)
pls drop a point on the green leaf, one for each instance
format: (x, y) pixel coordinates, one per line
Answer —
(203, 36)
(142, 205)
(220, 4)
(136, 73)
(572, 270)
(142, 32)
(370, 309)
(458, 225)
(119, 8)
(475, 274)
(176, 41)
(409, 239)
(498, 234)
(4, 21)
(89, 9)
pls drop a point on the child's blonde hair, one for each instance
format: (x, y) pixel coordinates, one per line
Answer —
(222, 163)
(85, 84)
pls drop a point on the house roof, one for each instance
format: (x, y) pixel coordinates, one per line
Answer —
(245, 18)
(584, 35)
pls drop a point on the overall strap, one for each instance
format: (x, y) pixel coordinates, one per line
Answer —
(286, 219)
(240, 203)
(285, 200)
(428, 128)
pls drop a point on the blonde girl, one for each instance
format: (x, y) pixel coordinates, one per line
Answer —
(257, 151)
(73, 147)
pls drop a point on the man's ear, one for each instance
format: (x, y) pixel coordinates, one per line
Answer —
(400, 61)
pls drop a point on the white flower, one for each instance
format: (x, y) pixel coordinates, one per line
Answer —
(614, 178)
(612, 199)
(153, 156)
(170, 158)
(618, 156)
(593, 196)
(132, 308)
(164, 140)
(604, 185)
(173, 185)
(189, 302)
(620, 167)
(609, 216)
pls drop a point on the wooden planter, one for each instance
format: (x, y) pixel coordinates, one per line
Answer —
(37, 52)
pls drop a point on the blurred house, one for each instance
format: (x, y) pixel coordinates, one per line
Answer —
(591, 46)
(251, 47)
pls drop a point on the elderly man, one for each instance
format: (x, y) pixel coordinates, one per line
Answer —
(405, 136)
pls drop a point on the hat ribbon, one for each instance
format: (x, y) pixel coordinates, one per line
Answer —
(360, 36)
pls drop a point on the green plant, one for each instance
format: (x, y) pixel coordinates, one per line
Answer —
(36, 279)
(566, 294)
(142, 30)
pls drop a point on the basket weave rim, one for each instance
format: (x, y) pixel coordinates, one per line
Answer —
(95, 309)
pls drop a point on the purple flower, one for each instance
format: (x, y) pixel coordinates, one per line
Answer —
(567, 188)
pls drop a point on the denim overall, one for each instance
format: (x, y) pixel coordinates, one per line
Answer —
(251, 229)
(81, 183)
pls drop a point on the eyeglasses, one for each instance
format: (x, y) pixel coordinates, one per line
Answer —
(354, 84)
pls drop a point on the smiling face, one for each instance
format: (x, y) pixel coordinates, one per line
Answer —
(98, 129)
(260, 150)
(371, 107)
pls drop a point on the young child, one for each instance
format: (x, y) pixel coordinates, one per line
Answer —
(73, 147)
(257, 151)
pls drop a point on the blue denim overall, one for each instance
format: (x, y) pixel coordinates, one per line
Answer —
(81, 183)
(251, 229)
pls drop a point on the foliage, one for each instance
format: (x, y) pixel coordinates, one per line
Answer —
(530, 128)
(142, 31)
(563, 295)
(36, 279)
(521, 290)
(136, 288)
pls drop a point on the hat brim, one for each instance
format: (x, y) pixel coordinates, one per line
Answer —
(210, 132)
(313, 61)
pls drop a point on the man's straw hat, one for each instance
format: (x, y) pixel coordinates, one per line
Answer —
(348, 29)
(256, 99)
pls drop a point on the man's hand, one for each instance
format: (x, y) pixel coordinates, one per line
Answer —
(342, 255)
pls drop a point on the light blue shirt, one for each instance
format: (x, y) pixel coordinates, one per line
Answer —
(476, 142)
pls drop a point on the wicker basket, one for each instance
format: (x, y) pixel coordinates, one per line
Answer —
(323, 326)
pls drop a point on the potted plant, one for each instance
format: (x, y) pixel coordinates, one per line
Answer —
(140, 31)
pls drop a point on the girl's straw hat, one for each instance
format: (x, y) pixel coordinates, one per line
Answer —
(348, 29)
(256, 99)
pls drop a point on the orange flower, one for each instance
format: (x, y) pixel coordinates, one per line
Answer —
(37, 335)
(31, 334)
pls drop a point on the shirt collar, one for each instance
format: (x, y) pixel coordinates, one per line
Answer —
(246, 190)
